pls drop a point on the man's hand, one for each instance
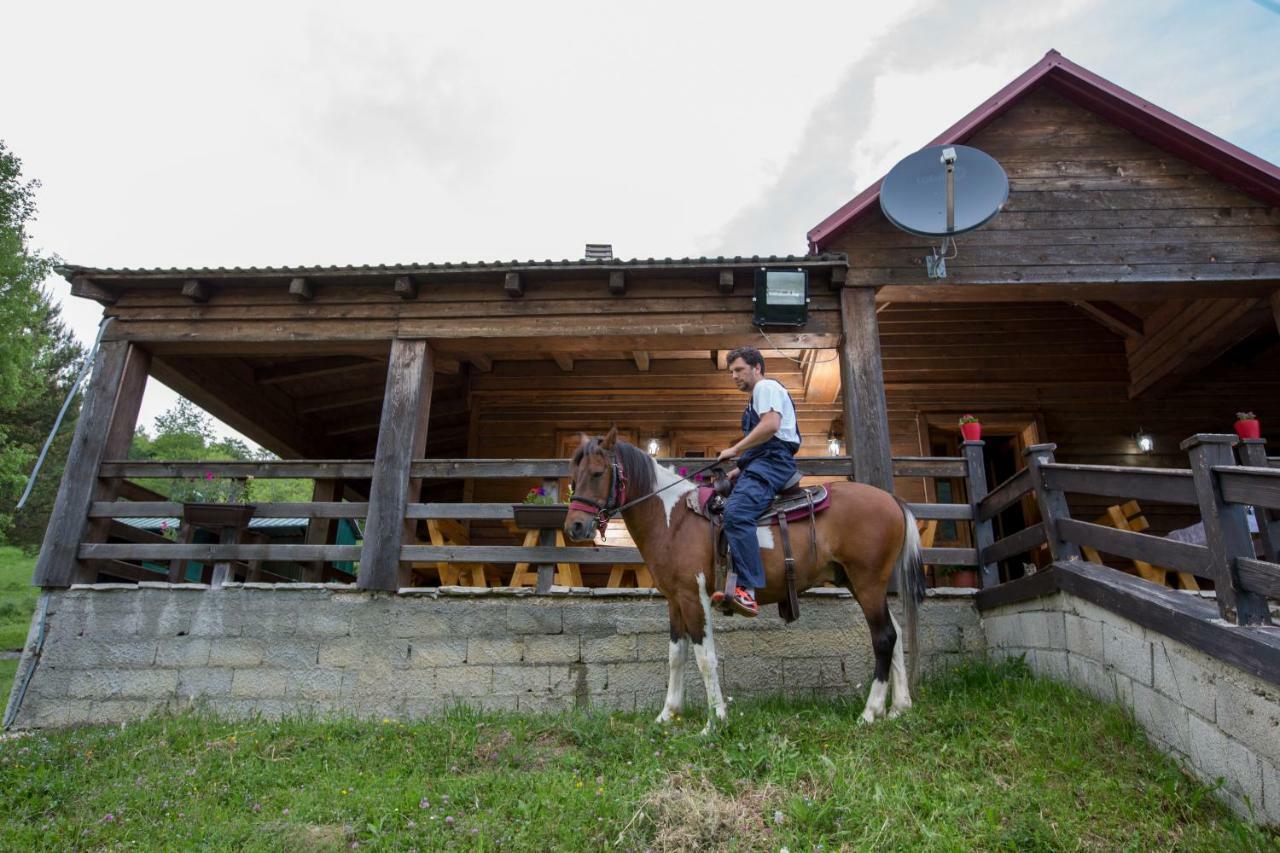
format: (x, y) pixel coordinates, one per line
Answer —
(727, 454)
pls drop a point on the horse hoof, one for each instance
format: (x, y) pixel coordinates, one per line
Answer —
(895, 712)
(665, 717)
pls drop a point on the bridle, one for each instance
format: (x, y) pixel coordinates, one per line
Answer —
(603, 511)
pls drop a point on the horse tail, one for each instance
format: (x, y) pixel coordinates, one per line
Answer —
(911, 584)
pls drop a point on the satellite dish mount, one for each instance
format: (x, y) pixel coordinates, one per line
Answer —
(920, 199)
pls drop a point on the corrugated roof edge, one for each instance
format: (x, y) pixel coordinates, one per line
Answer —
(70, 271)
(1159, 126)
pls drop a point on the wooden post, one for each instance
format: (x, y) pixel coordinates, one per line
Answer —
(320, 531)
(866, 421)
(227, 535)
(402, 436)
(547, 571)
(108, 415)
(1226, 530)
(1052, 503)
(983, 535)
(1253, 453)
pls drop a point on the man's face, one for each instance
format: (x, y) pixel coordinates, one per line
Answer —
(744, 375)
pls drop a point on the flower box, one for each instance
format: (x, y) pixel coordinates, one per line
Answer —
(218, 515)
(539, 516)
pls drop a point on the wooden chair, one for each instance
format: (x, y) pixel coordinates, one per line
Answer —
(447, 532)
(567, 574)
(642, 577)
(1128, 516)
(928, 531)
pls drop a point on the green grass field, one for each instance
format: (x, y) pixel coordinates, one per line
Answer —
(991, 758)
(17, 602)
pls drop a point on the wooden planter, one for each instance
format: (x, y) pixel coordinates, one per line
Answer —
(218, 515)
(539, 516)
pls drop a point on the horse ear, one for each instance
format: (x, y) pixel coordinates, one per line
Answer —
(611, 439)
(583, 439)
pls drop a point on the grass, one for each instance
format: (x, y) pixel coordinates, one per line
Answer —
(991, 758)
(17, 602)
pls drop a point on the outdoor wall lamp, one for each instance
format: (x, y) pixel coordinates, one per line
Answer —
(833, 446)
(652, 447)
(1144, 441)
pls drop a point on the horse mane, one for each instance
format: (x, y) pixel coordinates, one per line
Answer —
(636, 465)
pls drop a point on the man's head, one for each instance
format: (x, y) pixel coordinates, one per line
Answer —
(746, 366)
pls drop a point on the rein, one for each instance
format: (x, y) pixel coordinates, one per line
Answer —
(617, 502)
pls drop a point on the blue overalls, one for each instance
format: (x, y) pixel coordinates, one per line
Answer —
(765, 470)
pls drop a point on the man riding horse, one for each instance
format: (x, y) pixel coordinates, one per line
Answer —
(766, 451)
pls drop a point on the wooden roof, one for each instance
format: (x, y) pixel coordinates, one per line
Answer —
(1220, 158)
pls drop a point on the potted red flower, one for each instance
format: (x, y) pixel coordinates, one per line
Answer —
(1247, 425)
(539, 511)
(970, 428)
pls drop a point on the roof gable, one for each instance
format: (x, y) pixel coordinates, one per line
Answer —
(1145, 120)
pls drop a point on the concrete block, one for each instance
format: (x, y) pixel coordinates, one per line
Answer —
(494, 650)
(538, 616)
(557, 648)
(236, 652)
(420, 706)
(535, 704)
(1002, 630)
(615, 701)
(506, 702)
(1271, 791)
(275, 617)
(102, 684)
(297, 654)
(110, 616)
(600, 619)
(1215, 755)
(1249, 711)
(973, 640)
(1185, 676)
(522, 679)
(202, 681)
(420, 618)
(1128, 653)
(734, 644)
(634, 677)
(42, 715)
(477, 618)
(813, 672)
(259, 683)
(316, 683)
(939, 638)
(1033, 629)
(434, 651)
(611, 649)
(1050, 663)
(464, 680)
(1165, 721)
(745, 674)
(364, 653)
(116, 710)
(325, 620)
(1094, 678)
(183, 652)
(1084, 637)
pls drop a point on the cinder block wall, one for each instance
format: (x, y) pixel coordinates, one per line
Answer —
(1217, 720)
(117, 652)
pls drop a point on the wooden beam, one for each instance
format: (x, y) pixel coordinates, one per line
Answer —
(108, 414)
(86, 289)
(301, 290)
(839, 275)
(480, 362)
(721, 357)
(821, 376)
(195, 290)
(339, 400)
(1113, 317)
(882, 306)
(1188, 339)
(641, 359)
(617, 282)
(862, 377)
(402, 437)
(725, 285)
(564, 361)
(311, 368)
(320, 531)
(513, 284)
(406, 288)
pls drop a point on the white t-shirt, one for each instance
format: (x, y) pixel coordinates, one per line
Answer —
(770, 396)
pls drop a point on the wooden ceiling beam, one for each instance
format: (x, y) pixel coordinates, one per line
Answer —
(406, 288)
(311, 368)
(513, 284)
(195, 290)
(725, 284)
(480, 362)
(1113, 317)
(301, 290)
(821, 376)
(618, 282)
(86, 289)
(563, 360)
(339, 400)
(1185, 336)
(641, 359)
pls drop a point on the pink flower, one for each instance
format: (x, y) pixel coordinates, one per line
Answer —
(684, 472)
(208, 476)
(164, 525)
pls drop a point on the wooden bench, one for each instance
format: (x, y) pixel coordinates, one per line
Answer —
(1128, 516)
(448, 532)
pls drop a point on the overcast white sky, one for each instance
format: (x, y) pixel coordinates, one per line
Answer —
(274, 133)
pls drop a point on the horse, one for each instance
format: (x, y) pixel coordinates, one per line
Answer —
(863, 536)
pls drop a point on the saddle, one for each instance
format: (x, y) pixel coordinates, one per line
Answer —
(792, 503)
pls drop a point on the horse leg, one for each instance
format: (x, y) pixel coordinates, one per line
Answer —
(677, 654)
(901, 684)
(704, 651)
(884, 637)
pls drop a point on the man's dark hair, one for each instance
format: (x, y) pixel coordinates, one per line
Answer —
(750, 355)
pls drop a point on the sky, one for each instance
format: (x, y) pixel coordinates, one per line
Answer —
(301, 133)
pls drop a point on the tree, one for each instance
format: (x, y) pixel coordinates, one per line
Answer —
(39, 359)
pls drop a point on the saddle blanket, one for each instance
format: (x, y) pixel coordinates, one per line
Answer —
(794, 504)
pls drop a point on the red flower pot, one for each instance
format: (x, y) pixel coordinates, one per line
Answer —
(971, 431)
(1249, 429)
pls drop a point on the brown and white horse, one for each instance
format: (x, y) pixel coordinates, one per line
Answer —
(863, 536)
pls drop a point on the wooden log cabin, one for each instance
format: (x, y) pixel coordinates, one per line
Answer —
(1131, 283)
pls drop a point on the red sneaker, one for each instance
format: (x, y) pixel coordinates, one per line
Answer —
(744, 602)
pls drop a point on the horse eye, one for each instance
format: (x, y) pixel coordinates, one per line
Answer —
(597, 474)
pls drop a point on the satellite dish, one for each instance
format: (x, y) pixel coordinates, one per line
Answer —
(942, 191)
